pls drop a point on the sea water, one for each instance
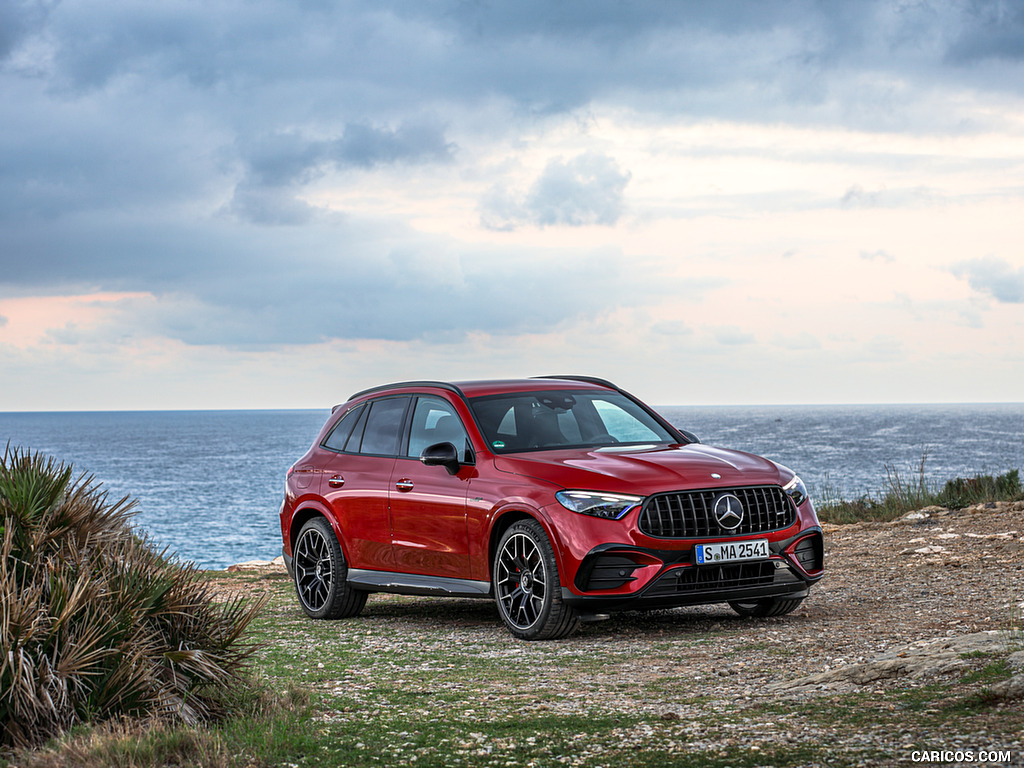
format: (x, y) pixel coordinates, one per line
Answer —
(209, 483)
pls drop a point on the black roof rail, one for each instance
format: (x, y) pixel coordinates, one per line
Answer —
(400, 384)
(586, 379)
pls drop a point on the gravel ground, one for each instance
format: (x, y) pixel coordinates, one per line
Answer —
(702, 680)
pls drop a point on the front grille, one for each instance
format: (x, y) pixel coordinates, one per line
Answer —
(690, 515)
(694, 581)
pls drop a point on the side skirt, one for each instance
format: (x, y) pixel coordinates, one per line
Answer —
(417, 584)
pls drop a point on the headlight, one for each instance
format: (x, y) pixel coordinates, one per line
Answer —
(797, 490)
(610, 506)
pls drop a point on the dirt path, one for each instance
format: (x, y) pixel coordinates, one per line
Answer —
(895, 654)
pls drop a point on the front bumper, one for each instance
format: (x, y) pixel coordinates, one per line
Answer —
(617, 578)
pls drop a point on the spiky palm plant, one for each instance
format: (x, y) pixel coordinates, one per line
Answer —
(94, 622)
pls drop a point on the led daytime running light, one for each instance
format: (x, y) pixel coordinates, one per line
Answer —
(610, 506)
(796, 490)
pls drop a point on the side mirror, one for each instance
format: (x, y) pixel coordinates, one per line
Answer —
(689, 436)
(442, 455)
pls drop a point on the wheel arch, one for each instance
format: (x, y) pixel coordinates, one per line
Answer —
(505, 520)
(307, 512)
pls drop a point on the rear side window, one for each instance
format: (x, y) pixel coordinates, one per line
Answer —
(343, 430)
(383, 425)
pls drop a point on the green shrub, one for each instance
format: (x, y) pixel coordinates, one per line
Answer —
(962, 492)
(908, 494)
(94, 623)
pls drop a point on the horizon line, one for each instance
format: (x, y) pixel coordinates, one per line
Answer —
(670, 405)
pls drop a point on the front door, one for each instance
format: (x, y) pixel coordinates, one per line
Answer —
(428, 505)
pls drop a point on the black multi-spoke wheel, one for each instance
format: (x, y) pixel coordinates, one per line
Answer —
(526, 585)
(320, 571)
(766, 606)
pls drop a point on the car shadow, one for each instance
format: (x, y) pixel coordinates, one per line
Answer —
(479, 615)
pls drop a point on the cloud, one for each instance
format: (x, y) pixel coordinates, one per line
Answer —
(586, 190)
(280, 164)
(798, 342)
(879, 255)
(992, 30)
(128, 103)
(288, 157)
(217, 283)
(732, 335)
(183, 150)
(993, 277)
(272, 206)
(858, 197)
(672, 328)
(432, 291)
(18, 20)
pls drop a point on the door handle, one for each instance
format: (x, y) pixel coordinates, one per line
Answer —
(405, 484)
(336, 482)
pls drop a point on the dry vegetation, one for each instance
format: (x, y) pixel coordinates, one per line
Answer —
(94, 624)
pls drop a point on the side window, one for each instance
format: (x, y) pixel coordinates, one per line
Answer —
(383, 424)
(435, 421)
(342, 430)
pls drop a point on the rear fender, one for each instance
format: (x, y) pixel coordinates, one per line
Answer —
(308, 510)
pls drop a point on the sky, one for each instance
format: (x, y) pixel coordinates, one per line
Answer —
(270, 204)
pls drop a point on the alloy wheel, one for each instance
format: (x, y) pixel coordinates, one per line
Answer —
(314, 574)
(522, 581)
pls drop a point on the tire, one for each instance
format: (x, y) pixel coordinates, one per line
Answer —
(319, 573)
(767, 606)
(527, 588)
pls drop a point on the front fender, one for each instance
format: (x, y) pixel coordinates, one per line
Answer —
(521, 509)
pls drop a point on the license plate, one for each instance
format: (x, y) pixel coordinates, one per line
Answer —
(731, 552)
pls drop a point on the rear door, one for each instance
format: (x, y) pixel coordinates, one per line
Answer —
(357, 479)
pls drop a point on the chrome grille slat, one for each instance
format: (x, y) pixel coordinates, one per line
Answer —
(707, 516)
(688, 514)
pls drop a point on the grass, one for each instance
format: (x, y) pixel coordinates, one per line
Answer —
(439, 684)
(909, 492)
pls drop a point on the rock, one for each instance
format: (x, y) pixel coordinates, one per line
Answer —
(934, 549)
(256, 565)
(1009, 689)
(922, 659)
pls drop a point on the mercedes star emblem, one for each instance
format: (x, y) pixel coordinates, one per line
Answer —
(728, 511)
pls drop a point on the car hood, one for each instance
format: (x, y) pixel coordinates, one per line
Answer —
(645, 470)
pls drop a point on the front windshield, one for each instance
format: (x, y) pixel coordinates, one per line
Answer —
(536, 421)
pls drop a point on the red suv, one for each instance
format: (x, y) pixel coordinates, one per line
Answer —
(564, 498)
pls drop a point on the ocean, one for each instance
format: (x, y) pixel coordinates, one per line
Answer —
(209, 483)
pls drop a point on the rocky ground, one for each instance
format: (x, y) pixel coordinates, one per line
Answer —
(911, 646)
